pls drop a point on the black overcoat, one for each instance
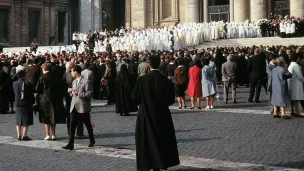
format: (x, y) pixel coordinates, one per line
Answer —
(156, 146)
(124, 86)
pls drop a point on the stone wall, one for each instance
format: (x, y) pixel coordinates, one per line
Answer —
(19, 21)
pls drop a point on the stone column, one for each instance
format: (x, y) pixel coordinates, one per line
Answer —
(128, 13)
(258, 10)
(85, 15)
(241, 10)
(138, 13)
(192, 11)
(297, 8)
(97, 14)
(206, 12)
(231, 2)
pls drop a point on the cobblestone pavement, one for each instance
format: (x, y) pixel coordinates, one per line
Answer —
(238, 136)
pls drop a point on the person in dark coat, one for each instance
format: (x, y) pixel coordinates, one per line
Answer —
(24, 95)
(124, 86)
(2, 89)
(257, 73)
(156, 146)
(9, 91)
(50, 101)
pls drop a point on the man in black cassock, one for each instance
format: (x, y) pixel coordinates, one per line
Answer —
(156, 146)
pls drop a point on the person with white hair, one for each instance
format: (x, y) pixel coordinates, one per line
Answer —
(278, 84)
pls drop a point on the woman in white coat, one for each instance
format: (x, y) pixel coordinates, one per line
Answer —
(295, 86)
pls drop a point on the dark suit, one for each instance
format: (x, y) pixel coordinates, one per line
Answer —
(257, 73)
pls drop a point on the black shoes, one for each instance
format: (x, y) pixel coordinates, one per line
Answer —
(69, 147)
(91, 144)
(19, 138)
(26, 138)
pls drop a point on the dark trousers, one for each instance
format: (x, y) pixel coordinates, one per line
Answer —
(75, 119)
(255, 87)
(68, 99)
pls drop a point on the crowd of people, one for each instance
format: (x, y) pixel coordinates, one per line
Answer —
(144, 71)
(184, 35)
(41, 83)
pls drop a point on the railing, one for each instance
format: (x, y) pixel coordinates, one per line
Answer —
(220, 9)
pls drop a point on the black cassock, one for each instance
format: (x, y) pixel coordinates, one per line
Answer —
(124, 86)
(156, 146)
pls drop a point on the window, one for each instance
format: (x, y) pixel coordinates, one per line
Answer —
(61, 26)
(34, 25)
(4, 26)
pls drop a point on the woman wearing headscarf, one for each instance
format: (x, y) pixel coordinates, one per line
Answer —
(24, 100)
(209, 83)
(124, 87)
(278, 85)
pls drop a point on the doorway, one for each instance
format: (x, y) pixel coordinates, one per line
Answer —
(33, 25)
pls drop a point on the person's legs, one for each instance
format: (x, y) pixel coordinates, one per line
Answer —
(179, 102)
(292, 106)
(25, 129)
(258, 90)
(18, 128)
(226, 90)
(183, 101)
(53, 127)
(87, 122)
(212, 100)
(47, 130)
(296, 107)
(207, 102)
(252, 89)
(192, 102)
(198, 102)
(73, 124)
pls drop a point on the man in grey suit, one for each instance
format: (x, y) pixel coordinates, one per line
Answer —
(80, 109)
(229, 78)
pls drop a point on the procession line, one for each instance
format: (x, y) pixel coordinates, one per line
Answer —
(194, 162)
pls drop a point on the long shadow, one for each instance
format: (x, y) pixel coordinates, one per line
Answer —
(295, 164)
(115, 135)
(196, 140)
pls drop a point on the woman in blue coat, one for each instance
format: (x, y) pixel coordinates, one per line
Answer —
(279, 88)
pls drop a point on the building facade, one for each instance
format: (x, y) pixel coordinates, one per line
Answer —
(52, 22)
(143, 13)
(46, 22)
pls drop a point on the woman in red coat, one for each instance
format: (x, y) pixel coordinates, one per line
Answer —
(195, 85)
